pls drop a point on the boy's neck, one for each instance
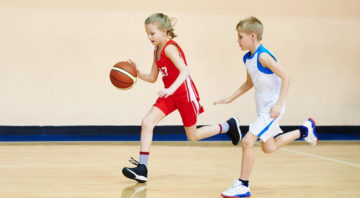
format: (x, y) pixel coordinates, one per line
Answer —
(255, 47)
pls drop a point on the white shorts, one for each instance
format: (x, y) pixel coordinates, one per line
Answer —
(265, 127)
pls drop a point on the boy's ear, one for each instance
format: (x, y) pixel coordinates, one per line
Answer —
(253, 36)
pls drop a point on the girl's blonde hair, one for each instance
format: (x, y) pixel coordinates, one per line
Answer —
(163, 21)
(251, 25)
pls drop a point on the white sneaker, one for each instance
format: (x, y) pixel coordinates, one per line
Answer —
(237, 190)
(311, 136)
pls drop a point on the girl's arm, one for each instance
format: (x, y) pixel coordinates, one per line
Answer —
(267, 61)
(152, 77)
(172, 53)
(243, 89)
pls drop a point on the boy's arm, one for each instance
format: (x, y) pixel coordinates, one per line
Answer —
(243, 89)
(152, 77)
(267, 61)
(172, 53)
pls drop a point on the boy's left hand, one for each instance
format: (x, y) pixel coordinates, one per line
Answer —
(275, 111)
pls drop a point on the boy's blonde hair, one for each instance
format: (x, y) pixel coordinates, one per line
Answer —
(251, 25)
(163, 21)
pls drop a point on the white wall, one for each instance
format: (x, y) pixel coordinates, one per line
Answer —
(55, 59)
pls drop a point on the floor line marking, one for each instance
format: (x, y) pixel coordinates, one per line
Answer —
(323, 158)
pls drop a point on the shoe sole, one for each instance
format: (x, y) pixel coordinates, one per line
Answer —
(246, 195)
(131, 175)
(238, 127)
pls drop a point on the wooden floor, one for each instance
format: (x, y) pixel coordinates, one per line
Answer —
(176, 169)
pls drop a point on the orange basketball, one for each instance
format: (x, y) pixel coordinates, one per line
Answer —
(123, 75)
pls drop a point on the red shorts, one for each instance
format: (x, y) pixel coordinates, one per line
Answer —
(189, 110)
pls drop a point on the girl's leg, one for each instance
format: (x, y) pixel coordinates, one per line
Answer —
(195, 134)
(147, 125)
(139, 173)
(231, 127)
(273, 144)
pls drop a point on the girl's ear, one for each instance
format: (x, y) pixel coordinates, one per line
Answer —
(164, 30)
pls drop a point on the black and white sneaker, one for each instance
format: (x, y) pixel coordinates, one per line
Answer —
(139, 173)
(234, 130)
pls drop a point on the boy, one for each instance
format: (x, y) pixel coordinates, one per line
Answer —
(271, 86)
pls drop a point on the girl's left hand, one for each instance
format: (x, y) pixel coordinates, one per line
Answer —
(275, 111)
(165, 93)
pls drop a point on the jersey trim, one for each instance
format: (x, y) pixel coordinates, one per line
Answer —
(261, 49)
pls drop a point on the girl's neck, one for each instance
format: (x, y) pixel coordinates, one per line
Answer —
(162, 44)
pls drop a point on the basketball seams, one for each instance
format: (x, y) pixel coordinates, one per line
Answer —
(125, 73)
(119, 83)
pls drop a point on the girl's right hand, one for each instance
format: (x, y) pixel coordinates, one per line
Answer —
(134, 65)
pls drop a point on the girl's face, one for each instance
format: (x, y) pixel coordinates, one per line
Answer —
(245, 40)
(155, 35)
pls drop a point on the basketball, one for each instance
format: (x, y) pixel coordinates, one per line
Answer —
(123, 75)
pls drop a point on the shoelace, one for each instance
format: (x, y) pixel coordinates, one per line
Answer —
(133, 161)
(234, 187)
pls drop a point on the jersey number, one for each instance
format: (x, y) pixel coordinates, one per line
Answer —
(164, 71)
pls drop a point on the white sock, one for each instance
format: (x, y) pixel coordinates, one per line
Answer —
(144, 157)
(224, 127)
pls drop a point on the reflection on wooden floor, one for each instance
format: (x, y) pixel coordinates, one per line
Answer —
(176, 169)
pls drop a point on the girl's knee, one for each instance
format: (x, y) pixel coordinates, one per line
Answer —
(192, 138)
(192, 133)
(147, 123)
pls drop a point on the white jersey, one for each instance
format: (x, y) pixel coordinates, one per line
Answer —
(266, 83)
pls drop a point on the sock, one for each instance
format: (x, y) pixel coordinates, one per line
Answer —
(245, 182)
(144, 157)
(224, 127)
(303, 132)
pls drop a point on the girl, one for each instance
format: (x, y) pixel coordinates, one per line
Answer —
(179, 93)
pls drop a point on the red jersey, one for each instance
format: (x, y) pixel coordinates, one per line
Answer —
(170, 72)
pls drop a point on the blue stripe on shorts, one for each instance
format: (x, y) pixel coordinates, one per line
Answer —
(265, 129)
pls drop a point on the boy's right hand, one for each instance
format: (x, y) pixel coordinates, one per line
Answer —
(222, 101)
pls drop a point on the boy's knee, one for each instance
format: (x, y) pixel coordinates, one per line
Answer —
(247, 144)
(268, 150)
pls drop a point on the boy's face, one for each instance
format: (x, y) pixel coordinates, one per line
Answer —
(155, 35)
(245, 40)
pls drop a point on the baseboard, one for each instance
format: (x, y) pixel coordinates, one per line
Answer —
(132, 133)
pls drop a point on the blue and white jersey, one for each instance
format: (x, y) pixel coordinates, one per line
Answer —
(266, 83)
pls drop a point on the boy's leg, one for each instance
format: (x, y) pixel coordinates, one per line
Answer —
(241, 187)
(139, 173)
(273, 144)
(306, 131)
(247, 161)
